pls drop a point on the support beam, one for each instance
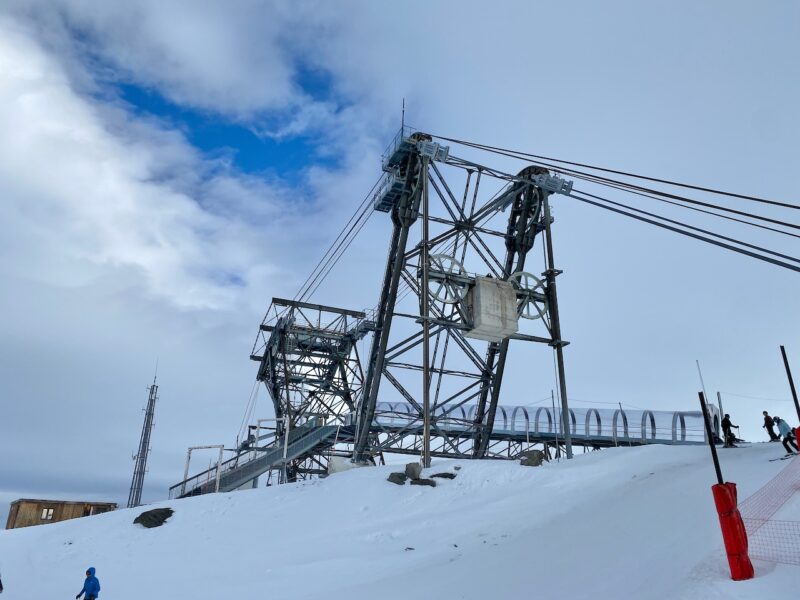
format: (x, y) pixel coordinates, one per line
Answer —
(555, 326)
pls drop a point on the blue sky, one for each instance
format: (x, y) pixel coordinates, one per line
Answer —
(176, 164)
(241, 143)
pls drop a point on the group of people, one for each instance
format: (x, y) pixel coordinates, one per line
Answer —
(91, 586)
(786, 434)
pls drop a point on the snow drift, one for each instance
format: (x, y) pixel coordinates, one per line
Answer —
(622, 523)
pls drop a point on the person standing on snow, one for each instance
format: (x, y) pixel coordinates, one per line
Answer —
(769, 423)
(786, 432)
(91, 587)
(727, 434)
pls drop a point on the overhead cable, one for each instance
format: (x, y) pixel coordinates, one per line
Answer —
(692, 227)
(624, 173)
(695, 209)
(599, 179)
(365, 208)
(690, 234)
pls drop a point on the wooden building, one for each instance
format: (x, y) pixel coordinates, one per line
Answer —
(26, 512)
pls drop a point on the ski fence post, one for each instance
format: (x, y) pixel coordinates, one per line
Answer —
(794, 393)
(730, 520)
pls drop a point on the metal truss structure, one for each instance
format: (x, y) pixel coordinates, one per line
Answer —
(308, 361)
(461, 288)
(140, 458)
(459, 238)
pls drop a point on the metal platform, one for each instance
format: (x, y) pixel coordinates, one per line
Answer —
(248, 465)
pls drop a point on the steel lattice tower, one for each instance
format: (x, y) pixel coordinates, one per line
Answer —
(140, 467)
(463, 304)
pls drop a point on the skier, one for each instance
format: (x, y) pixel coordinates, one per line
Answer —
(91, 587)
(769, 423)
(727, 433)
(787, 433)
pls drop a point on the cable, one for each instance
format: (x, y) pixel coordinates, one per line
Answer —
(248, 411)
(692, 235)
(332, 250)
(629, 186)
(624, 173)
(357, 215)
(717, 235)
(333, 264)
(700, 210)
(334, 258)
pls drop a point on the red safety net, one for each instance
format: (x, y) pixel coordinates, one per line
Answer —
(775, 540)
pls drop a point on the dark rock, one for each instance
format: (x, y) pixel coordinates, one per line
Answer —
(413, 470)
(532, 458)
(398, 478)
(457, 468)
(154, 518)
(409, 548)
(444, 475)
(429, 482)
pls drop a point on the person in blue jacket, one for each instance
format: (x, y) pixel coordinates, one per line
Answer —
(91, 587)
(787, 433)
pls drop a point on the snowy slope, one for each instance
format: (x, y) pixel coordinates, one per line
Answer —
(622, 523)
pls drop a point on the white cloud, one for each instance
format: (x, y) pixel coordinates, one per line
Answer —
(84, 183)
(235, 59)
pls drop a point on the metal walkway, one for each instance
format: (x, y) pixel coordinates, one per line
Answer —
(516, 428)
(248, 465)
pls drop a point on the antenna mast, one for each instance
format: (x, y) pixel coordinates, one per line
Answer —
(140, 467)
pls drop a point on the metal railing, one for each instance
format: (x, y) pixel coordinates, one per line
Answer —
(248, 465)
(403, 133)
(615, 426)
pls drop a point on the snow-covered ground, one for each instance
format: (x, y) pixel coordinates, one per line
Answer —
(621, 523)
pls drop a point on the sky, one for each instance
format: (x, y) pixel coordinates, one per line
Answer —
(167, 167)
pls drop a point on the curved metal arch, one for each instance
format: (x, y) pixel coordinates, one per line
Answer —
(549, 419)
(505, 417)
(614, 421)
(514, 419)
(675, 416)
(652, 416)
(573, 421)
(597, 419)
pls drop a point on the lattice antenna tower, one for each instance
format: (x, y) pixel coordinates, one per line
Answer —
(140, 465)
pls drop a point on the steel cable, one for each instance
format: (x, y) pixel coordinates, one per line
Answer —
(617, 172)
(689, 234)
